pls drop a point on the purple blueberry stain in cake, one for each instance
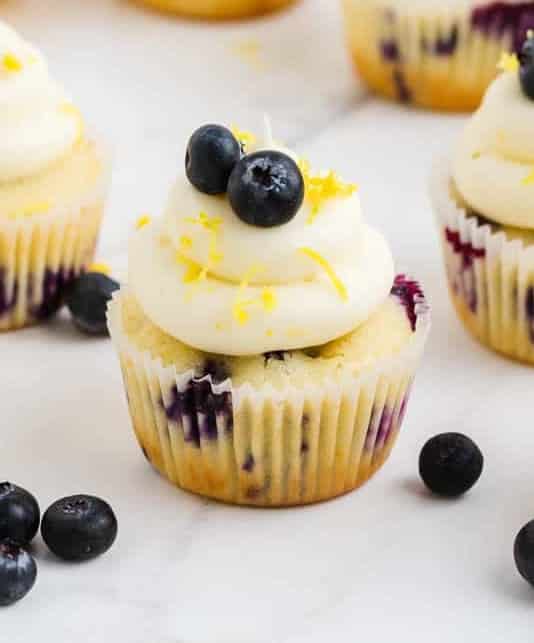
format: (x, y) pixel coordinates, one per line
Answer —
(249, 463)
(404, 93)
(8, 299)
(304, 444)
(500, 19)
(410, 295)
(444, 45)
(529, 310)
(53, 289)
(217, 369)
(389, 50)
(199, 411)
(384, 426)
(278, 356)
(467, 277)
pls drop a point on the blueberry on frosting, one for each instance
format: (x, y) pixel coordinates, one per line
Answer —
(526, 68)
(212, 154)
(266, 189)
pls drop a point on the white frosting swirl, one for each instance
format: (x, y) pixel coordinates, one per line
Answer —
(37, 123)
(288, 299)
(495, 156)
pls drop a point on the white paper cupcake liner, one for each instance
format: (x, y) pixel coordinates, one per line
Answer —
(441, 57)
(41, 254)
(491, 278)
(267, 447)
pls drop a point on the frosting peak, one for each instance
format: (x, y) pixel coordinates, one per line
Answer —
(224, 286)
(495, 157)
(37, 122)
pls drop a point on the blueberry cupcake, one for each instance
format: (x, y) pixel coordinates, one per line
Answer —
(437, 55)
(267, 348)
(484, 201)
(53, 182)
(218, 9)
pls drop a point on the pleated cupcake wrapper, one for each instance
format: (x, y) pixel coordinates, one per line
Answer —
(41, 254)
(437, 57)
(266, 447)
(491, 278)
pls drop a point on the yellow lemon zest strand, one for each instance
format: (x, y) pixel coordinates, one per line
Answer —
(11, 63)
(32, 208)
(142, 221)
(193, 269)
(320, 188)
(529, 179)
(508, 62)
(476, 155)
(212, 226)
(245, 138)
(241, 305)
(250, 51)
(325, 265)
(186, 243)
(71, 110)
(100, 267)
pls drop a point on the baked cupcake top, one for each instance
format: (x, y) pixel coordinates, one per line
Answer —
(256, 252)
(38, 123)
(493, 165)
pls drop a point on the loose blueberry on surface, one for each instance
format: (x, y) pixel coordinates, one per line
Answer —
(524, 552)
(526, 68)
(87, 300)
(450, 464)
(19, 514)
(211, 156)
(266, 189)
(79, 527)
(18, 572)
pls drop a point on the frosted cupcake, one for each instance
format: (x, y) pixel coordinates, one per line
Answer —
(218, 9)
(440, 55)
(53, 182)
(484, 201)
(267, 348)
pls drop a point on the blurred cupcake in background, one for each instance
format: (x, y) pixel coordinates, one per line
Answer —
(53, 184)
(484, 202)
(436, 55)
(218, 9)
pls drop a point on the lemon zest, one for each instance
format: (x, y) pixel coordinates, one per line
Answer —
(212, 226)
(267, 300)
(508, 62)
(11, 63)
(186, 243)
(100, 267)
(529, 179)
(319, 188)
(325, 265)
(193, 269)
(142, 221)
(245, 138)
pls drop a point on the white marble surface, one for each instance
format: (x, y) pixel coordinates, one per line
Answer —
(386, 563)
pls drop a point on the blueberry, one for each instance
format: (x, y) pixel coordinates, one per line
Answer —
(79, 527)
(526, 68)
(524, 552)
(266, 189)
(19, 514)
(87, 299)
(450, 464)
(18, 572)
(211, 156)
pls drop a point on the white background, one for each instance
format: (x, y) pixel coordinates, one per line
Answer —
(387, 563)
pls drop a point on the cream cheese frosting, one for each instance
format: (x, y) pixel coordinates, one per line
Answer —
(493, 167)
(38, 124)
(222, 286)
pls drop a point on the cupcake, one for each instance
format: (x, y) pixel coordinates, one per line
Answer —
(437, 55)
(53, 182)
(484, 202)
(218, 9)
(267, 348)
